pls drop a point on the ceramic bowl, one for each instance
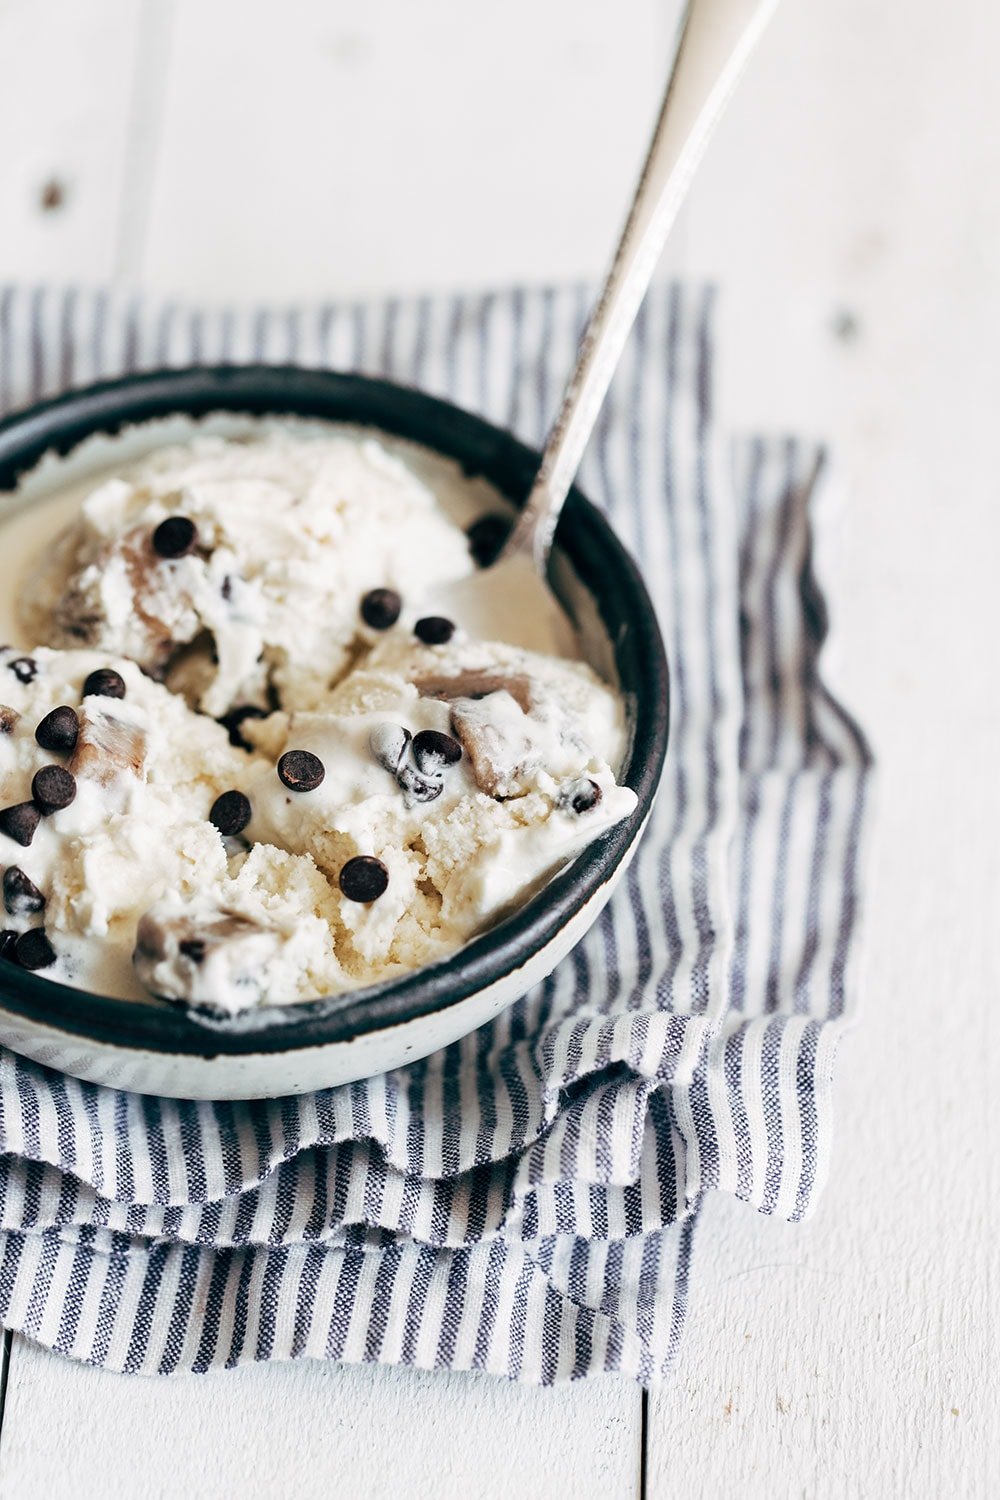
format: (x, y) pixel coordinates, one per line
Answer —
(157, 1048)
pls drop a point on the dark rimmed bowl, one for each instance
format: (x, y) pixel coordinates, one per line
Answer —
(156, 1048)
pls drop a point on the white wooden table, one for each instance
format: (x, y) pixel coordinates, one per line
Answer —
(240, 149)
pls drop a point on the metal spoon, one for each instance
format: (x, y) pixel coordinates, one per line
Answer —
(717, 38)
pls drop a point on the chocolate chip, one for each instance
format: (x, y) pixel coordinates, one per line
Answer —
(232, 721)
(432, 750)
(380, 608)
(24, 668)
(9, 719)
(300, 770)
(104, 683)
(194, 949)
(53, 788)
(364, 878)
(580, 796)
(226, 588)
(487, 538)
(231, 812)
(59, 729)
(33, 950)
(388, 743)
(175, 537)
(21, 896)
(7, 940)
(434, 630)
(19, 822)
(418, 788)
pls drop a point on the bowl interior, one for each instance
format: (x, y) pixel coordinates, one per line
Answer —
(591, 570)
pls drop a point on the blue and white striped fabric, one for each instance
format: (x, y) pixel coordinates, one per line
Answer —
(523, 1202)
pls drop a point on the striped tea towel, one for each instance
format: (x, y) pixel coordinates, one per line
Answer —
(522, 1202)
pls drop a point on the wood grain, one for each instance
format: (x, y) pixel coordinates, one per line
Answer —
(856, 1355)
(848, 208)
(304, 1429)
(65, 107)
(425, 146)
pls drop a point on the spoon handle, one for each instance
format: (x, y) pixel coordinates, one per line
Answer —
(716, 41)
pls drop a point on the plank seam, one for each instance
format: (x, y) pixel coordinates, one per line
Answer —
(146, 112)
(8, 1340)
(643, 1444)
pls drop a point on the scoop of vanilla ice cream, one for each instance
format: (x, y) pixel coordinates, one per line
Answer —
(146, 773)
(263, 934)
(292, 527)
(458, 850)
(583, 712)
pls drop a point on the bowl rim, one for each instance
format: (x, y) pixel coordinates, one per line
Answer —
(587, 540)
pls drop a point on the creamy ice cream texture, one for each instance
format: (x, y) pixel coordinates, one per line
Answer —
(384, 784)
(286, 534)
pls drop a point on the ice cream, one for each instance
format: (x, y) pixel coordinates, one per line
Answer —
(234, 568)
(467, 771)
(144, 772)
(383, 786)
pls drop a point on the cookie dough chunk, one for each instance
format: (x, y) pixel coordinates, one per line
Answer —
(107, 747)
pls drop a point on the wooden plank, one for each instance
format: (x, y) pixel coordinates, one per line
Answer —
(844, 1359)
(856, 1355)
(839, 209)
(399, 146)
(64, 115)
(309, 1428)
